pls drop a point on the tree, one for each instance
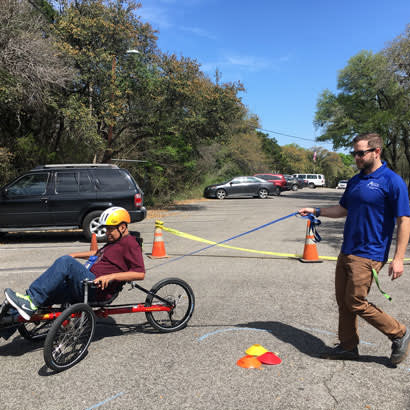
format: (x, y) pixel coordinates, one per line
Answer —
(33, 74)
(334, 168)
(399, 64)
(273, 152)
(96, 34)
(294, 159)
(30, 65)
(370, 100)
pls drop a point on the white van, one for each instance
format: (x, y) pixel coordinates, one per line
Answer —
(313, 180)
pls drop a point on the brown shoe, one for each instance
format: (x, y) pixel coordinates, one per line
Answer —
(339, 353)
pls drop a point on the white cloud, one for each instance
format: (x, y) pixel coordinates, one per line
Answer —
(249, 63)
(182, 2)
(160, 17)
(245, 63)
(284, 59)
(156, 16)
(198, 31)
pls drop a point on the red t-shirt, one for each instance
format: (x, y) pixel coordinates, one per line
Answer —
(123, 255)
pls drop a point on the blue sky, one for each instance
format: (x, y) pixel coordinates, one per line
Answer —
(284, 52)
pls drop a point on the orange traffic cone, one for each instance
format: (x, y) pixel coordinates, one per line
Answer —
(310, 253)
(158, 246)
(93, 244)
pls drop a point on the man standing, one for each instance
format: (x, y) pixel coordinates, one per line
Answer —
(374, 199)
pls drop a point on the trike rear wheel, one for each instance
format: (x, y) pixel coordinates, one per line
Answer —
(181, 299)
(69, 337)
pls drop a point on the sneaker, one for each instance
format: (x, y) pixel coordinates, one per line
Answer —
(22, 303)
(339, 353)
(400, 348)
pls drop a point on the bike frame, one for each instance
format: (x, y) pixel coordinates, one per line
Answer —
(99, 310)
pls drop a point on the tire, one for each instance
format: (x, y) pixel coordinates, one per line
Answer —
(69, 337)
(180, 294)
(312, 185)
(34, 331)
(294, 187)
(221, 194)
(263, 193)
(276, 191)
(90, 226)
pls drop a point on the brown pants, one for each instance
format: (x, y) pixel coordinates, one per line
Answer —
(353, 280)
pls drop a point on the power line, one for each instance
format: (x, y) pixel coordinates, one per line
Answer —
(290, 136)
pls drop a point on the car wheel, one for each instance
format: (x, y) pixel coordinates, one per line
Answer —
(276, 191)
(220, 194)
(263, 193)
(91, 225)
(294, 187)
(312, 185)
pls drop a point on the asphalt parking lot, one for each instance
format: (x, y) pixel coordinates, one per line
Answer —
(242, 299)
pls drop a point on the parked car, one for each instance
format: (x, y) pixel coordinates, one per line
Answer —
(293, 183)
(313, 180)
(68, 196)
(276, 179)
(241, 186)
(342, 184)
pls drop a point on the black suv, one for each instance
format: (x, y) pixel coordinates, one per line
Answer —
(68, 197)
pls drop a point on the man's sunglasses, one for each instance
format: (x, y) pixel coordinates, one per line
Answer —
(361, 154)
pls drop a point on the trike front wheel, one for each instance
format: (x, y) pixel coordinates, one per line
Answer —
(69, 337)
(181, 301)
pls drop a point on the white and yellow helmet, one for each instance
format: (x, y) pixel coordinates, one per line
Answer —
(114, 216)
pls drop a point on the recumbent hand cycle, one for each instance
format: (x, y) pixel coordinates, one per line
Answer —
(68, 329)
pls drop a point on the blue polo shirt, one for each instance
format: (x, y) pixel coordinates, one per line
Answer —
(373, 203)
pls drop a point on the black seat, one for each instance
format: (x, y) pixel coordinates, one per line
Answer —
(102, 303)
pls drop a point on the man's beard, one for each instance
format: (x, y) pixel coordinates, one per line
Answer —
(366, 166)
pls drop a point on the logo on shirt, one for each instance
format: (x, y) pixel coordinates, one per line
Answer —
(373, 185)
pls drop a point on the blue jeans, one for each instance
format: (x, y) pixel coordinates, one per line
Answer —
(61, 283)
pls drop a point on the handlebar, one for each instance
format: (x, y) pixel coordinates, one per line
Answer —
(88, 282)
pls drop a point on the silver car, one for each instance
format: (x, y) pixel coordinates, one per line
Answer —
(241, 186)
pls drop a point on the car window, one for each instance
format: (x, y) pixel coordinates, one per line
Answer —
(29, 185)
(253, 179)
(66, 182)
(85, 182)
(113, 180)
(312, 176)
(264, 176)
(75, 181)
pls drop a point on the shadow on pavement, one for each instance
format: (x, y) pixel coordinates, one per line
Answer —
(314, 194)
(188, 205)
(43, 237)
(305, 342)
(17, 346)
(108, 327)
